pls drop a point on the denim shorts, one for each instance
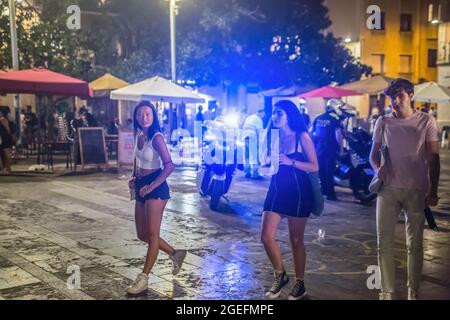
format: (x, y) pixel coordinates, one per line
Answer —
(161, 192)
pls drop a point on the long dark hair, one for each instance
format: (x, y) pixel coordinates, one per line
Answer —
(295, 120)
(154, 128)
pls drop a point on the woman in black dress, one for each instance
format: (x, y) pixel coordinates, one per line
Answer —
(6, 141)
(290, 195)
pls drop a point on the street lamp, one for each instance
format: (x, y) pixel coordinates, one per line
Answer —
(15, 54)
(173, 10)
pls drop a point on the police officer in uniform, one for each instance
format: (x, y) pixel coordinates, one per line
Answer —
(327, 137)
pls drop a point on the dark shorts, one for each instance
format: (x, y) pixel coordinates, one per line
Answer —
(161, 192)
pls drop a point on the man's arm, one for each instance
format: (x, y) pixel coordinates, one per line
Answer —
(434, 171)
(375, 155)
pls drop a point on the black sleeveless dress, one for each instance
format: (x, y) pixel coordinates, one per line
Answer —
(5, 138)
(290, 192)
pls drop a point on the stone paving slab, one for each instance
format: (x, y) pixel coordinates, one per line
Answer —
(50, 223)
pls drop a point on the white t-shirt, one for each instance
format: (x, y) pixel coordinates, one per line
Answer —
(407, 164)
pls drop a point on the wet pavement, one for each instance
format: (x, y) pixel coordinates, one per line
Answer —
(49, 224)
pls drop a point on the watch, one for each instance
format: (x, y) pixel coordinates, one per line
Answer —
(293, 163)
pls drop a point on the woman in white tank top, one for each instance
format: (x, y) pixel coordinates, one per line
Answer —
(151, 168)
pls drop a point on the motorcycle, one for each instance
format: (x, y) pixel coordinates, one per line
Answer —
(220, 143)
(353, 169)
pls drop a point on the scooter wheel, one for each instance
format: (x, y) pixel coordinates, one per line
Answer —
(217, 189)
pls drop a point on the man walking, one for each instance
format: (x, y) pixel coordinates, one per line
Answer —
(410, 175)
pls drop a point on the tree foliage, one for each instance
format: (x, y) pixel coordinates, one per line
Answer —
(264, 42)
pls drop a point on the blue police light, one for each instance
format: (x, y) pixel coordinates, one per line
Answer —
(231, 120)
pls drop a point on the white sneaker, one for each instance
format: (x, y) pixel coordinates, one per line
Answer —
(140, 285)
(386, 296)
(177, 258)
(412, 294)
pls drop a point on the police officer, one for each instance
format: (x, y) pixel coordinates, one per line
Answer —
(327, 137)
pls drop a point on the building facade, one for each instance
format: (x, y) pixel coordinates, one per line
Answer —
(443, 59)
(405, 44)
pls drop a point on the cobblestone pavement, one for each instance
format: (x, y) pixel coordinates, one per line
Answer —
(48, 224)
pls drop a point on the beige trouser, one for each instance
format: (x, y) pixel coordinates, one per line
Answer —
(390, 203)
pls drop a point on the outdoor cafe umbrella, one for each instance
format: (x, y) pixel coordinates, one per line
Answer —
(105, 84)
(156, 89)
(43, 82)
(431, 92)
(104, 109)
(329, 92)
(372, 85)
(291, 91)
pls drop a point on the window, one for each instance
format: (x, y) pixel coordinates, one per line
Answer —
(406, 22)
(405, 65)
(430, 12)
(383, 20)
(434, 12)
(378, 63)
(432, 58)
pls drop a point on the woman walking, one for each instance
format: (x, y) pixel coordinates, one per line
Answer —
(6, 141)
(151, 191)
(290, 195)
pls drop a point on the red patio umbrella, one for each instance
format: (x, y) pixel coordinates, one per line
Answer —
(43, 82)
(329, 92)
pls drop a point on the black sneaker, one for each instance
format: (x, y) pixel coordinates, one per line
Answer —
(298, 291)
(279, 281)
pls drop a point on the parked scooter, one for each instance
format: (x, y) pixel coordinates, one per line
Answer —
(353, 169)
(219, 158)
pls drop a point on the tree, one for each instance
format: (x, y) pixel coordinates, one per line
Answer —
(45, 40)
(263, 41)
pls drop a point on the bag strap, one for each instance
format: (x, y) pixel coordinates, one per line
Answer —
(133, 174)
(383, 126)
(298, 140)
(383, 141)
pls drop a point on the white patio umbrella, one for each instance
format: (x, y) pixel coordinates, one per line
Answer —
(156, 89)
(431, 92)
(372, 85)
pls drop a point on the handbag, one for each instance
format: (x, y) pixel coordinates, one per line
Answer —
(133, 190)
(376, 184)
(318, 201)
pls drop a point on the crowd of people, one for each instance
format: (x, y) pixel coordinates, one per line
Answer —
(409, 175)
(405, 157)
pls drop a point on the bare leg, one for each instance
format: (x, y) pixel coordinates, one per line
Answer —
(269, 227)
(296, 234)
(142, 228)
(6, 158)
(154, 209)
